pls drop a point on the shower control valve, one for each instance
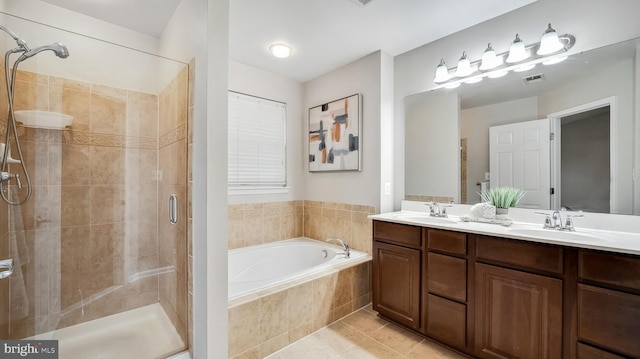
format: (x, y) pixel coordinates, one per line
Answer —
(5, 176)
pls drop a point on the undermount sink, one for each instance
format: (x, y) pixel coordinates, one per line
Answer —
(554, 234)
(424, 218)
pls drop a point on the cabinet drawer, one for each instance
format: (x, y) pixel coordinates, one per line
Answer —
(447, 276)
(520, 253)
(609, 268)
(589, 352)
(447, 241)
(401, 234)
(609, 319)
(447, 321)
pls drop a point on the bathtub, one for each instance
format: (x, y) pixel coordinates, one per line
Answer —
(282, 291)
(269, 265)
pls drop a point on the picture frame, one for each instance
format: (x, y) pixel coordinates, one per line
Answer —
(335, 135)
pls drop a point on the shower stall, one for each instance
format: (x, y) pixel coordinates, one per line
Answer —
(96, 226)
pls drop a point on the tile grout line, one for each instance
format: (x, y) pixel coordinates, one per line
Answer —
(375, 340)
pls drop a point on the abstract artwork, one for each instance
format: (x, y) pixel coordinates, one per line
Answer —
(334, 135)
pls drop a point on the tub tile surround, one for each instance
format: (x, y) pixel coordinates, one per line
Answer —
(251, 224)
(267, 321)
(273, 320)
(95, 206)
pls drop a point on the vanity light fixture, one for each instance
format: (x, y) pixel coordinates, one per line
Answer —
(464, 66)
(280, 50)
(549, 50)
(442, 73)
(489, 59)
(517, 51)
(550, 42)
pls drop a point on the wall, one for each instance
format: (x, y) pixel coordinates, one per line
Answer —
(255, 82)
(474, 126)
(594, 23)
(89, 59)
(363, 188)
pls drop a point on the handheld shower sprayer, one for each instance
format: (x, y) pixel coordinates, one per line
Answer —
(12, 131)
(58, 48)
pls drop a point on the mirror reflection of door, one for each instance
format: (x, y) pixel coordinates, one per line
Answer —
(584, 174)
(519, 157)
(580, 157)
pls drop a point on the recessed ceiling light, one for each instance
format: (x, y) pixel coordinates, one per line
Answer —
(280, 50)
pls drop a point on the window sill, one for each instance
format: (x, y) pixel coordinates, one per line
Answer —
(239, 191)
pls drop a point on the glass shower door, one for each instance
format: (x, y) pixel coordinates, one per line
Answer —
(99, 264)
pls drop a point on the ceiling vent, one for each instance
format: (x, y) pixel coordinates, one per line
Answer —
(362, 3)
(534, 79)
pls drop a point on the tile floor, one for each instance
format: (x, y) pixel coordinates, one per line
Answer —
(362, 335)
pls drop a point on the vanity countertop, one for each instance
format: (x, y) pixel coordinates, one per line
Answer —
(591, 238)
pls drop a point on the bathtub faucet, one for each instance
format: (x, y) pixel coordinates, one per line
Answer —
(345, 245)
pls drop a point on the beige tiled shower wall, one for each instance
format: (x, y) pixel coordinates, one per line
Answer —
(172, 164)
(86, 244)
(271, 322)
(251, 224)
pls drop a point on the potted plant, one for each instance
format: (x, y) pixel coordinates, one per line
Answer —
(502, 198)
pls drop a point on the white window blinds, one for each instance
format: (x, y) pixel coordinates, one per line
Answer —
(256, 141)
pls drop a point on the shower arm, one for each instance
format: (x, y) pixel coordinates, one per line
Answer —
(21, 43)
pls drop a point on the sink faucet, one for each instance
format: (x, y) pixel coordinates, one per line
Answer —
(345, 245)
(435, 211)
(554, 221)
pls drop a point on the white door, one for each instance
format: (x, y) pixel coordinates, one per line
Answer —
(519, 157)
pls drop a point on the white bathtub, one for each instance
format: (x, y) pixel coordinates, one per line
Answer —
(254, 268)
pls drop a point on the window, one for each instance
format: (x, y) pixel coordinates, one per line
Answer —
(256, 142)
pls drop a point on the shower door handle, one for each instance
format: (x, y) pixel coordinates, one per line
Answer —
(173, 209)
(6, 264)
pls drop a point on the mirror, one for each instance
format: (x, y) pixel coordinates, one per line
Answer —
(585, 81)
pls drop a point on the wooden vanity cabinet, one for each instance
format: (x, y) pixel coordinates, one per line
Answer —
(608, 305)
(492, 297)
(397, 255)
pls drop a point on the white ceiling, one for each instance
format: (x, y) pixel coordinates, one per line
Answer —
(146, 16)
(324, 34)
(327, 34)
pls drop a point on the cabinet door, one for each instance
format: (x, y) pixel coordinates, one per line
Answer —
(609, 319)
(518, 314)
(396, 283)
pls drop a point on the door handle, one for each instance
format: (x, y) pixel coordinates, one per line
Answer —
(6, 264)
(173, 209)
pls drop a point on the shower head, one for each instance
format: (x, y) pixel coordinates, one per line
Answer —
(21, 43)
(58, 48)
